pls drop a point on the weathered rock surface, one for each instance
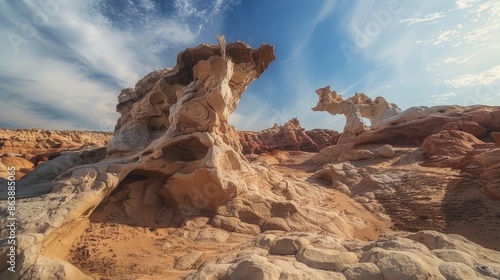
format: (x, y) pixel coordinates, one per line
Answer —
(491, 175)
(450, 143)
(418, 191)
(470, 127)
(392, 257)
(496, 136)
(390, 125)
(354, 109)
(288, 137)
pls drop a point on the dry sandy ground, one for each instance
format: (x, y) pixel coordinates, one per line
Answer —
(158, 243)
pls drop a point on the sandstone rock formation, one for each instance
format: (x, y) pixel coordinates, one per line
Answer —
(173, 130)
(490, 160)
(171, 147)
(390, 125)
(288, 137)
(450, 143)
(355, 108)
(496, 136)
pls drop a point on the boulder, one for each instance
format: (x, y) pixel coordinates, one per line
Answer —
(363, 271)
(450, 143)
(325, 259)
(386, 151)
(470, 127)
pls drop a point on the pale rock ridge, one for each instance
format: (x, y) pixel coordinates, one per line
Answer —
(390, 125)
(355, 108)
(421, 255)
(24, 149)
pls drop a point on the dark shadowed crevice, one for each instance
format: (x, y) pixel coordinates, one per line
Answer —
(185, 150)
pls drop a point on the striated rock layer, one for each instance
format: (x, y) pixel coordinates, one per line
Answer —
(39, 141)
(26, 148)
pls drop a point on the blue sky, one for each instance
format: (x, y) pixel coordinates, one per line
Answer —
(65, 62)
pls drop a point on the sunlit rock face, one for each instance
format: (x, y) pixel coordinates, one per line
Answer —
(177, 120)
(354, 109)
(288, 137)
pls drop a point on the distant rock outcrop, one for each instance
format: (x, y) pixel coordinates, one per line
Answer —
(390, 125)
(39, 141)
(24, 149)
(354, 109)
(288, 137)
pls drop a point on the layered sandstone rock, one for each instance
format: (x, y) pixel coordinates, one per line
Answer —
(288, 137)
(491, 175)
(354, 109)
(24, 149)
(39, 141)
(450, 143)
(173, 130)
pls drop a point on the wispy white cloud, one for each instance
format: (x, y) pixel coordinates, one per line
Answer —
(483, 33)
(442, 98)
(487, 77)
(445, 36)
(492, 7)
(461, 59)
(427, 18)
(465, 4)
(308, 29)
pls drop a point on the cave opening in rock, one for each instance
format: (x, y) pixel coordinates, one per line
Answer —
(136, 202)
